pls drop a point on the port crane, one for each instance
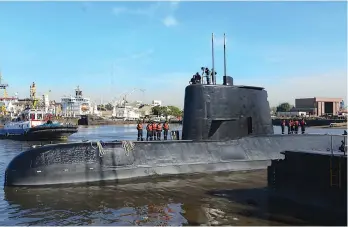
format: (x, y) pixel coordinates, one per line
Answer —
(123, 97)
(3, 86)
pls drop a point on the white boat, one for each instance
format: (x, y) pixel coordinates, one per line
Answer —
(33, 124)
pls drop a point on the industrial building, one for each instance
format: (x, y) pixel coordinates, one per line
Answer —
(319, 106)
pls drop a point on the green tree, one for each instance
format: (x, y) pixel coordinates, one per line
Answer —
(109, 106)
(284, 107)
(101, 107)
(174, 111)
(156, 110)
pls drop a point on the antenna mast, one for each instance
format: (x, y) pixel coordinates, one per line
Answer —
(212, 52)
(225, 55)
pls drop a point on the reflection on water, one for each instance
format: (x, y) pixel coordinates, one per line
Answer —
(219, 199)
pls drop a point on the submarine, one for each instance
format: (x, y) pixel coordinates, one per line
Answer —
(226, 127)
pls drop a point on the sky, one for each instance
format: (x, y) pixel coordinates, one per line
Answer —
(292, 49)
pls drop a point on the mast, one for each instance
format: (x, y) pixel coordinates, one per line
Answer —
(225, 55)
(212, 53)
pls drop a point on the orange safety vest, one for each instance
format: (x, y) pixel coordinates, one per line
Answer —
(159, 127)
(149, 127)
(140, 126)
(154, 127)
(166, 126)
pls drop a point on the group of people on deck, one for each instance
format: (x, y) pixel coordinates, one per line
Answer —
(153, 131)
(293, 126)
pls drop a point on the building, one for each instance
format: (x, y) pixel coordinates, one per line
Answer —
(318, 106)
(76, 106)
(156, 102)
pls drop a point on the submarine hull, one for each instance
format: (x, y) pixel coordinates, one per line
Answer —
(49, 133)
(86, 162)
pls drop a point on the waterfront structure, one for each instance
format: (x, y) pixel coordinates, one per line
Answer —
(75, 106)
(156, 103)
(318, 106)
(292, 114)
(126, 112)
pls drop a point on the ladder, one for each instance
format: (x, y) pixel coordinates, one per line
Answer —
(335, 173)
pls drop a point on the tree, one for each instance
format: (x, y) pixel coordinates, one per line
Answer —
(284, 107)
(174, 111)
(109, 106)
(157, 110)
(101, 107)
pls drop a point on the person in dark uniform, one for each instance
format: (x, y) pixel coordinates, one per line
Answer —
(49, 121)
(197, 78)
(303, 126)
(140, 131)
(149, 131)
(282, 125)
(289, 126)
(165, 130)
(159, 131)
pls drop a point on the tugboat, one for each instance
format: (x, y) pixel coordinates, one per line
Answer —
(35, 125)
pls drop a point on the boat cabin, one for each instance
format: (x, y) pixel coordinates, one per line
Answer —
(27, 119)
(32, 115)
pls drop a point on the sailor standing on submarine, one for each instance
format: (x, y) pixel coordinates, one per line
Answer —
(149, 131)
(165, 130)
(140, 131)
(154, 130)
(159, 131)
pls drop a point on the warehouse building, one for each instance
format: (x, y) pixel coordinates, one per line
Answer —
(318, 106)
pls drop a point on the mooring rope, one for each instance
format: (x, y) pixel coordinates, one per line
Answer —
(99, 147)
(128, 146)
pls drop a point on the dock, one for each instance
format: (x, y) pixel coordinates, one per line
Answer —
(313, 178)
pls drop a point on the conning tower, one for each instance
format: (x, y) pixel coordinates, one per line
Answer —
(225, 112)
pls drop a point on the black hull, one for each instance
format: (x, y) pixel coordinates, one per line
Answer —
(43, 134)
(84, 163)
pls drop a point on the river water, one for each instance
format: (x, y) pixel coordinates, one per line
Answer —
(219, 199)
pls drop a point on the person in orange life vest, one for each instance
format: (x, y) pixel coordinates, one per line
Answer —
(159, 131)
(140, 131)
(165, 130)
(154, 130)
(289, 126)
(282, 126)
(296, 126)
(303, 127)
(149, 131)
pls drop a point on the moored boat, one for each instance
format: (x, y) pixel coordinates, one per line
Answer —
(34, 124)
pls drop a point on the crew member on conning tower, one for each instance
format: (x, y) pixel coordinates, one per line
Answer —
(149, 131)
(140, 131)
(165, 130)
(159, 131)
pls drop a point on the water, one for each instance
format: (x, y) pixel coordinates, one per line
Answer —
(219, 199)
